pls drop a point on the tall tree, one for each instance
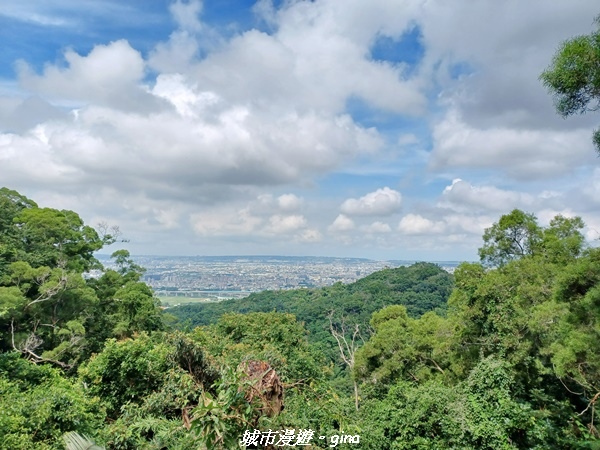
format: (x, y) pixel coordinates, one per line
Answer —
(515, 235)
(50, 311)
(574, 76)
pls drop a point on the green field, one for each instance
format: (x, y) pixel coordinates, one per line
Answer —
(180, 300)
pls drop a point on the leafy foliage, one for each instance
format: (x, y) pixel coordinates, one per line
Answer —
(421, 287)
(504, 355)
(402, 347)
(39, 404)
(574, 76)
(515, 235)
(74, 441)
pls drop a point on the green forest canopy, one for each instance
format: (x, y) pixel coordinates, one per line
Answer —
(505, 354)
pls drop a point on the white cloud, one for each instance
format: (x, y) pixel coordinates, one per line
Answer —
(187, 99)
(176, 55)
(417, 224)
(26, 13)
(377, 228)
(341, 223)
(310, 235)
(109, 75)
(221, 126)
(187, 14)
(522, 154)
(179, 53)
(408, 139)
(499, 117)
(279, 224)
(591, 188)
(30, 157)
(200, 143)
(223, 222)
(289, 202)
(463, 196)
(504, 56)
(19, 115)
(469, 223)
(382, 202)
(316, 59)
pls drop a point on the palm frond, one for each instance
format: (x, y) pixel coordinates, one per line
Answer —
(75, 441)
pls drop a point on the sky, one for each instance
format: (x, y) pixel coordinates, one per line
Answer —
(384, 129)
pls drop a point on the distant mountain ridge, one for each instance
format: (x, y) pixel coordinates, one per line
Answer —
(279, 258)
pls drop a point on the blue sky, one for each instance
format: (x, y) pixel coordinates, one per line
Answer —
(387, 129)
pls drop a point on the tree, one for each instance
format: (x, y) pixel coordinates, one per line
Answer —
(576, 350)
(563, 240)
(49, 310)
(39, 404)
(515, 235)
(11, 205)
(53, 238)
(574, 76)
(347, 347)
(403, 348)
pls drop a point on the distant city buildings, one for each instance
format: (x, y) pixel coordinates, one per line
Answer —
(217, 278)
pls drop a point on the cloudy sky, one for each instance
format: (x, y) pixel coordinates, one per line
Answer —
(387, 129)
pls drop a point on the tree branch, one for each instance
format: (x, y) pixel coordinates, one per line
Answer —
(50, 293)
(590, 404)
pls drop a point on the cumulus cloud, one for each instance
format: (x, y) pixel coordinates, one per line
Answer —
(382, 202)
(463, 227)
(315, 63)
(341, 223)
(416, 224)
(227, 129)
(289, 202)
(280, 224)
(499, 116)
(522, 154)
(192, 37)
(109, 75)
(19, 115)
(186, 98)
(190, 147)
(463, 196)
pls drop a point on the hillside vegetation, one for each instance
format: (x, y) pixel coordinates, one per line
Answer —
(421, 287)
(509, 361)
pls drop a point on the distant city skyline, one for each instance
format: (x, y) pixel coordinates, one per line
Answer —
(221, 277)
(106, 256)
(385, 129)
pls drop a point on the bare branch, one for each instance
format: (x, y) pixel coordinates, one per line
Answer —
(436, 365)
(39, 359)
(50, 293)
(591, 404)
(347, 350)
(12, 333)
(31, 343)
(109, 234)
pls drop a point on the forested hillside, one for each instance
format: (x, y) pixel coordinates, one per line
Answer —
(420, 288)
(510, 361)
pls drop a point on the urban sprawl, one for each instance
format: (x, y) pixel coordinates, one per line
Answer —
(179, 279)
